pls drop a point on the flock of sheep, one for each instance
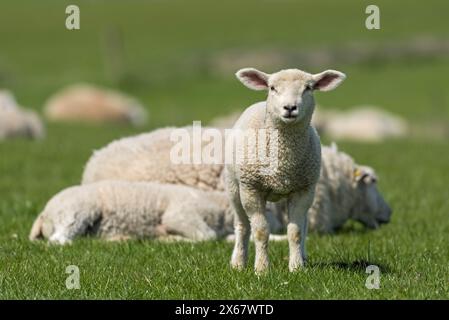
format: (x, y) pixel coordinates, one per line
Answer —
(131, 189)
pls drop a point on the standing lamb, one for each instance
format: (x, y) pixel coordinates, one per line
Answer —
(287, 112)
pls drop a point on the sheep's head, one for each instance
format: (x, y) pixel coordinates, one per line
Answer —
(370, 207)
(290, 92)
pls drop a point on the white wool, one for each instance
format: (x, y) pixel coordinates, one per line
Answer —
(120, 210)
(146, 157)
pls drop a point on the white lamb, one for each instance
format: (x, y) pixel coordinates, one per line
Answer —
(87, 103)
(286, 115)
(118, 210)
(121, 210)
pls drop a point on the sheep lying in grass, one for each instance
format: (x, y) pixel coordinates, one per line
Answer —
(16, 121)
(124, 210)
(146, 157)
(118, 210)
(121, 210)
(86, 103)
(344, 191)
(364, 123)
(286, 115)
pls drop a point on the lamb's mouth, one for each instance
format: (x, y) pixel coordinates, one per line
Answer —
(289, 118)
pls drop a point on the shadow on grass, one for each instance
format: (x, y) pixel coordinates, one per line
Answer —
(354, 266)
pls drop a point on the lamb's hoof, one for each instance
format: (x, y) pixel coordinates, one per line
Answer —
(297, 265)
(261, 268)
(238, 265)
(261, 272)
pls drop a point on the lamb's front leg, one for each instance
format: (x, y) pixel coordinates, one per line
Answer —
(298, 206)
(254, 204)
(241, 228)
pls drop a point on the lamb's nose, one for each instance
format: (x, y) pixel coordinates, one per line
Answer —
(290, 108)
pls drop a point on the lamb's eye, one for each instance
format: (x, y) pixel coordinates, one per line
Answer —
(307, 87)
(272, 88)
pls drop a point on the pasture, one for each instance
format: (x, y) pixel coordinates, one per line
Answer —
(166, 60)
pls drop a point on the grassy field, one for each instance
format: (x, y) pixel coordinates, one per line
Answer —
(38, 56)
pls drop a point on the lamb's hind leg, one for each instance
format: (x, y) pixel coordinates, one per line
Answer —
(298, 206)
(188, 224)
(254, 204)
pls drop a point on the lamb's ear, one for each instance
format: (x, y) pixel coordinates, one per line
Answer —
(253, 78)
(328, 80)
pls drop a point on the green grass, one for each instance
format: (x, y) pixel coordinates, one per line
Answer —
(38, 56)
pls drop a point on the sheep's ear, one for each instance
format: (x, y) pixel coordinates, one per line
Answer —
(328, 80)
(365, 174)
(253, 78)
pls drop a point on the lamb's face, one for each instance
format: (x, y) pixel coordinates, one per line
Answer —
(290, 92)
(370, 207)
(290, 95)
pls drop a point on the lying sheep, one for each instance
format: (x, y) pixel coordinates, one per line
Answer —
(18, 122)
(286, 115)
(364, 123)
(146, 157)
(344, 191)
(86, 103)
(121, 210)
(118, 210)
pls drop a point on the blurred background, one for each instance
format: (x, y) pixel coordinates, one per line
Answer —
(178, 60)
